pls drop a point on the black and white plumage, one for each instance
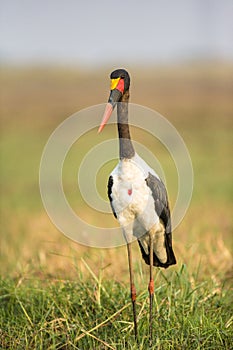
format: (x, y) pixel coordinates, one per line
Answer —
(137, 195)
(139, 201)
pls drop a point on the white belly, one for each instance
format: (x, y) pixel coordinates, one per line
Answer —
(131, 197)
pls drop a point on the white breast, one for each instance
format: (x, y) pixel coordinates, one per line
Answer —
(131, 197)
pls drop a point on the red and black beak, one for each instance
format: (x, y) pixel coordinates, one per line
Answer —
(117, 89)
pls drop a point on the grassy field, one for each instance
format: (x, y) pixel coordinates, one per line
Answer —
(57, 294)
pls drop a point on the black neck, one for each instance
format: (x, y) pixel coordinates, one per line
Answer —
(126, 146)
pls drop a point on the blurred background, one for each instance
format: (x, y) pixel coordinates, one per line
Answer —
(56, 57)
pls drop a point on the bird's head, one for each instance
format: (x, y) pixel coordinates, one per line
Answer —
(120, 82)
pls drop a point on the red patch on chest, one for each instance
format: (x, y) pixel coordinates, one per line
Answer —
(130, 192)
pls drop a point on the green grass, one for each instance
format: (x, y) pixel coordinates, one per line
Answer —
(96, 314)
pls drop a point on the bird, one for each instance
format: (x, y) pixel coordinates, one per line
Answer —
(138, 197)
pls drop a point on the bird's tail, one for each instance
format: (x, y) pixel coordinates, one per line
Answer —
(171, 260)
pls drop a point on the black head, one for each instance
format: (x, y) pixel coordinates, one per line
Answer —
(120, 82)
(122, 74)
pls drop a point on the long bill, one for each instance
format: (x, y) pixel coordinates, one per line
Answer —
(107, 114)
(115, 96)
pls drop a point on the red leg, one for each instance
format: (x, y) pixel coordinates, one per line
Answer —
(132, 289)
(151, 288)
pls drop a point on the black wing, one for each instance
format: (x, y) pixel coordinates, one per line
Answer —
(159, 194)
(110, 184)
(162, 209)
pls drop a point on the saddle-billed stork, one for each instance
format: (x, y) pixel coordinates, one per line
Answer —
(137, 196)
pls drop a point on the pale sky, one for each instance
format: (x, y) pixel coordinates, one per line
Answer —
(96, 32)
